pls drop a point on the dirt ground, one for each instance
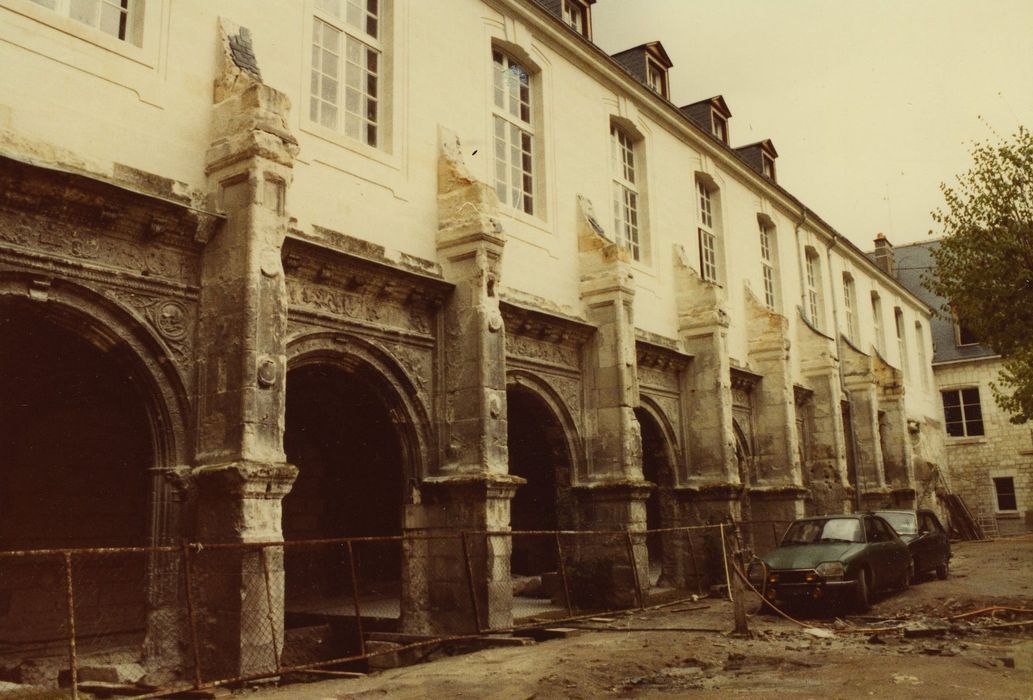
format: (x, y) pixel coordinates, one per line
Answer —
(782, 659)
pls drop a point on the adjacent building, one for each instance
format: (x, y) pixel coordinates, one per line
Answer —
(378, 267)
(990, 458)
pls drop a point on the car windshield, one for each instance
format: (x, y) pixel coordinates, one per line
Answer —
(830, 530)
(903, 523)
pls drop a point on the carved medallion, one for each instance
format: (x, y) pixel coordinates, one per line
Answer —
(170, 320)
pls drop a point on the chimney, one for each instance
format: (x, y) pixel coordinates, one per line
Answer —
(884, 257)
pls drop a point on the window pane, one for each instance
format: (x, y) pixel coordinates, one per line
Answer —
(85, 11)
(111, 20)
(329, 116)
(331, 7)
(952, 414)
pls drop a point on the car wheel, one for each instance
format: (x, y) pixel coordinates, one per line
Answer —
(943, 570)
(861, 592)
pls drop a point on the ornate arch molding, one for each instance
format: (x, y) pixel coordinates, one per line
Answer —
(531, 382)
(672, 453)
(129, 338)
(396, 388)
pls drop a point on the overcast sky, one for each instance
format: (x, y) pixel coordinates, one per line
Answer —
(871, 105)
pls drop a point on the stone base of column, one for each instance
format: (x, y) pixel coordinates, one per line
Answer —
(238, 592)
(610, 570)
(878, 498)
(438, 596)
(699, 552)
(772, 509)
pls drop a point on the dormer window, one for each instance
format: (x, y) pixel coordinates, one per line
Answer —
(767, 165)
(656, 78)
(761, 157)
(649, 63)
(720, 127)
(575, 16)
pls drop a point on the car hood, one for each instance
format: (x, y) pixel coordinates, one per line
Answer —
(808, 556)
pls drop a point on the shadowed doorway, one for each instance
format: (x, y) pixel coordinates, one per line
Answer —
(342, 437)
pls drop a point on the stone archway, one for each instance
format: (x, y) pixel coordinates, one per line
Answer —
(91, 426)
(540, 452)
(658, 467)
(356, 433)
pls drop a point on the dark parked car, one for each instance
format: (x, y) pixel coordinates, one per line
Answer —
(834, 556)
(925, 537)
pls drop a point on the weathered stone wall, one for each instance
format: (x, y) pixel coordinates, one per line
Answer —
(1005, 449)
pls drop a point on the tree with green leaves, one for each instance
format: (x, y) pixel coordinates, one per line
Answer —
(984, 264)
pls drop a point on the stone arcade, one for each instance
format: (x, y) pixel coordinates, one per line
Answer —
(262, 333)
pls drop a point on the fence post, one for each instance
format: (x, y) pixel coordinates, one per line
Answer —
(724, 560)
(470, 583)
(70, 596)
(634, 569)
(191, 614)
(695, 564)
(563, 574)
(269, 609)
(355, 599)
(739, 602)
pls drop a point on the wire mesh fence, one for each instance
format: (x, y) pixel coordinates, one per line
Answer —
(151, 621)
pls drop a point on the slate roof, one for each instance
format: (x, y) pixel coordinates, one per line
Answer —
(912, 262)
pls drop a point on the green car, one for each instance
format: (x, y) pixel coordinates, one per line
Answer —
(833, 557)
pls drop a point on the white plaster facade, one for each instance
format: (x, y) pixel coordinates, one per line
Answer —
(471, 300)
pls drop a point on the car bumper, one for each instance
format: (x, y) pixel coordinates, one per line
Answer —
(815, 590)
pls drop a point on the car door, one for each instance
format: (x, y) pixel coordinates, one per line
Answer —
(938, 544)
(922, 544)
(891, 552)
(898, 556)
(878, 554)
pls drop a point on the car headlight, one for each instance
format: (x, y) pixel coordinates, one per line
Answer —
(831, 569)
(755, 572)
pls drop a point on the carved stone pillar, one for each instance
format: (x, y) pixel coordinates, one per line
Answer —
(703, 329)
(825, 475)
(894, 439)
(614, 493)
(242, 474)
(778, 492)
(472, 489)
(860, 385)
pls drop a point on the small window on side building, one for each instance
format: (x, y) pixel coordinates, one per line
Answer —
(1004, 490)
(962, 412)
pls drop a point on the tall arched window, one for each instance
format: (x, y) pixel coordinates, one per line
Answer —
(347, 77)
(769, 263)
(898, 317)
(850, 308)
(709, 232)
(813, 282)
(625, 190)
(923, 358)
(513, 133)
(877, 329)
